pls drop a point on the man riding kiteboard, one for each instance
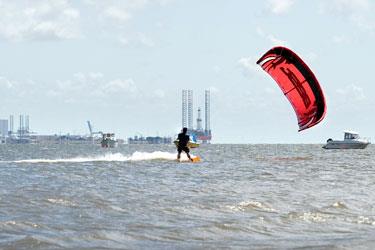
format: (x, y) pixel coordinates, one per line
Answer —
(183, 140)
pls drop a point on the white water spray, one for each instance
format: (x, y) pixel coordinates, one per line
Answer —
(110, 157)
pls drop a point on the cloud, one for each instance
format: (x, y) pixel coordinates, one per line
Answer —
(249, 66)
(280, 6)
(217, 69)
(6, 83)
(117, 14)
(88, 77)
(83, 88)
(311, 56)
(121, 12)
(17, 91)
(159, 93)
(94, 85)
(140, 39)
(38, 20)
(363, 22)
(119, 86)
(346, 6)
(81, 82)
(274, 41)
(116, 17)
(340, 39)
(124, 41)
(358, 12)
(22, 20)
(352, 92)
(145, 40)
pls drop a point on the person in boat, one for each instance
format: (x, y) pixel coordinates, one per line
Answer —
(183, 140)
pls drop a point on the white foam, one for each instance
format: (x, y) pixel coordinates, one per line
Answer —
(112, 157)
(252, 205)
(61, 202)
(314, 217)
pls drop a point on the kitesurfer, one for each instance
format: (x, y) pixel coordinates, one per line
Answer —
(183, 140)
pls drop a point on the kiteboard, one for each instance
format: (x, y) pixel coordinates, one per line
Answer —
(195, 159)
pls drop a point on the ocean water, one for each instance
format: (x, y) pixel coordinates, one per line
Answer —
(140, 197)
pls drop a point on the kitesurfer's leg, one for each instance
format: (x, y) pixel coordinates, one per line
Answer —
(179, 150)
(187, 153)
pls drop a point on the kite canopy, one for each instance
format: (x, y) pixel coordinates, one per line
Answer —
(298, 84)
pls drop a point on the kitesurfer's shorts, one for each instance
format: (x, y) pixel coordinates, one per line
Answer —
(186, 149)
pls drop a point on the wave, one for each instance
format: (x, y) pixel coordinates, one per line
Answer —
(112, 157)
(295, 158)
(62, 202)
(252, 205)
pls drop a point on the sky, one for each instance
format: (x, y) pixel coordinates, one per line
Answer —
(123, 64)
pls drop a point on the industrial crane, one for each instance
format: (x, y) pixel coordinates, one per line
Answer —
(92, 133)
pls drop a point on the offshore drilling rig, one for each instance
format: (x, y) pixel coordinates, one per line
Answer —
(203, 135)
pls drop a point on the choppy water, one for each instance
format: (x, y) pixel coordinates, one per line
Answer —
(136, 197)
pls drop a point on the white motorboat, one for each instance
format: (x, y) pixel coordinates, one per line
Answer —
(352, 140)
(108, 140)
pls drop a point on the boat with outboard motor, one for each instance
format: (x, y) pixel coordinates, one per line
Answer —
(352, 140)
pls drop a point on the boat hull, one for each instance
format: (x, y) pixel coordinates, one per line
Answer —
(109, 143)
(345, 145)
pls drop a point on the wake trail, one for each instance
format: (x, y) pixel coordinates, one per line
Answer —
(111, 157)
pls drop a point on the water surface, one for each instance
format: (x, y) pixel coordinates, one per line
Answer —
(137, 196)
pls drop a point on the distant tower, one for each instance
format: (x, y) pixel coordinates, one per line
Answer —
(27, 129)
(4, 127)
(199, 120)
(184, 108)
(207, 111)
(11, 124)
(190, 109)
(187, 108)
(21, 126)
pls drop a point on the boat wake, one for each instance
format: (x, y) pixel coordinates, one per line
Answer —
(112, 157)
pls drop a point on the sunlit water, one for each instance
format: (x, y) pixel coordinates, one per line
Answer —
(136, 197)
